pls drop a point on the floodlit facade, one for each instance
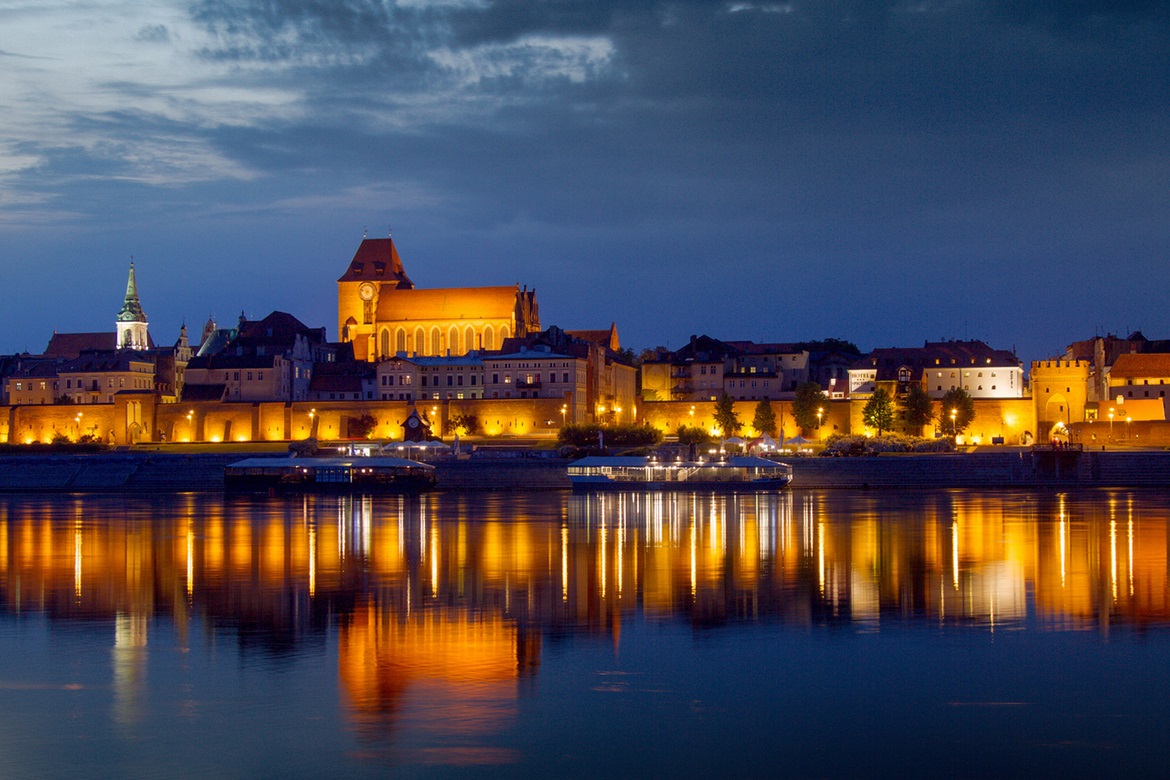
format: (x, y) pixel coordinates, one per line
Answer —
(382, 314)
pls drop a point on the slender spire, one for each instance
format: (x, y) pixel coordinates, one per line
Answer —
(131, 307)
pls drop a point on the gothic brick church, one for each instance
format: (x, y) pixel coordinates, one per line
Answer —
(381, 312)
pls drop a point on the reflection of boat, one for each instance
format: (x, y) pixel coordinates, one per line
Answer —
(342, 474)
(740, 473)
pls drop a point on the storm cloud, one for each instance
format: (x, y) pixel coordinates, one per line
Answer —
(882, 172)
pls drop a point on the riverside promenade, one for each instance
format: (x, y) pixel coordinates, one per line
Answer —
(147, 471)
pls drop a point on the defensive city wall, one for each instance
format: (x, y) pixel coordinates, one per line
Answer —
(139, 417)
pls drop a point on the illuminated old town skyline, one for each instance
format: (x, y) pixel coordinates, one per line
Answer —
(884, 172)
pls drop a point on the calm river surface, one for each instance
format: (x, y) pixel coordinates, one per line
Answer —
(808, 633)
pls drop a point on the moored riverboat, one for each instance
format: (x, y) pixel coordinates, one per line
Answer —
(733, 474)
(338, 475)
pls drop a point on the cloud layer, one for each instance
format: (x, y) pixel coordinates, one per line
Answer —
(880, 171)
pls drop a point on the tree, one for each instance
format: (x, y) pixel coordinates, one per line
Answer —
(919, 408)
(959, 401)
(467, 423)
(725, 416)
(809, 398)
(362, 427)
(764, 420)
(879, 411)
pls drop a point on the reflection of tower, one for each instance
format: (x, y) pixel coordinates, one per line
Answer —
(129, 666)
(131, 319)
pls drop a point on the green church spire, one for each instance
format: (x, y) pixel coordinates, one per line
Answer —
(131, 308)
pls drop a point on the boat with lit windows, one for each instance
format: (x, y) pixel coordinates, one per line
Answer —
(745, 473)
(354, 474)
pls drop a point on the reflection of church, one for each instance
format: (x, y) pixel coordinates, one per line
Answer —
(383, 314)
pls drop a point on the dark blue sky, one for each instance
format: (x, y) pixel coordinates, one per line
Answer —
(884, 172)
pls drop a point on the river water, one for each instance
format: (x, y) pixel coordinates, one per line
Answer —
(970, 633)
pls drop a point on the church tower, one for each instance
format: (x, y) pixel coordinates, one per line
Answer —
(131, 319)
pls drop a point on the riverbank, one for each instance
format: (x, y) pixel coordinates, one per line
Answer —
(144, 471)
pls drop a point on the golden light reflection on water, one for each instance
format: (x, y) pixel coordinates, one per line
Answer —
(439, 603)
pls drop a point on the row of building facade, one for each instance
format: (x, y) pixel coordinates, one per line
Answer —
(483, 349)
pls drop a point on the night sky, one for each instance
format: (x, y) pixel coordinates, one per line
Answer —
(883, 172)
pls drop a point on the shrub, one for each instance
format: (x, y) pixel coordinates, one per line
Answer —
(305, 448)
(692, 435)
(854, 445)
(586, 435)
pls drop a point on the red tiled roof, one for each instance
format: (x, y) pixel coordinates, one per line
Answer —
(377, 260)
(454, 303)
(1141, 365)
(607, 338)
(70, 345)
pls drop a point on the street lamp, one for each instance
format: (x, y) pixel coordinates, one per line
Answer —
(564, 413)
(1110, 423)
(954, 425)
(1128, 420)
(820, 414)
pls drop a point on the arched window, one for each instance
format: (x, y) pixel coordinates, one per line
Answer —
(453, 341)
(436, 343)
(385, 345)
(489, 341)
(469, 339)
(503, 333)
(400, 341)
(420, 341)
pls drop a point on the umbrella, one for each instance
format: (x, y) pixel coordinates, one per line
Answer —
(734, 440)
(798, 440)
(768, 441)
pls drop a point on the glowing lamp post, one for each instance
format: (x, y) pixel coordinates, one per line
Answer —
(564, 414)
(820, 414)
(954, 425)
(1111, 423)
(1128, 420)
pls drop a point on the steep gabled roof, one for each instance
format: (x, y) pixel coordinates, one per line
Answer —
(453, 303)
(1146, 365)
(70, 345)
(377, 260)
(93, 362)
(607, 338)
(935, 355)
(194, 392)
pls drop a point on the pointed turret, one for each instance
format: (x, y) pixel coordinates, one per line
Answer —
(131, 307)
(131, 319)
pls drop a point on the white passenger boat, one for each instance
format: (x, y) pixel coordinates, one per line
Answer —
(733, 474)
